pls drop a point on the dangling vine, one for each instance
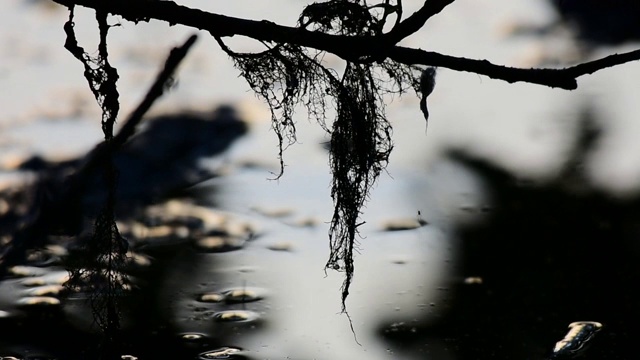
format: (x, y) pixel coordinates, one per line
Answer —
(361, 137)
(98, 270)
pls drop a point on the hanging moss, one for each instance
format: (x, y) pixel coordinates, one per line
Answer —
(286, 75)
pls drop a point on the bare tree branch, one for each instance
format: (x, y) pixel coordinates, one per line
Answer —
(155, 91)
(350, 48)
(129, 126)
(605, 62)
(560, 78)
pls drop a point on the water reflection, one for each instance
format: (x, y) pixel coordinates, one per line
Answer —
(549, 254)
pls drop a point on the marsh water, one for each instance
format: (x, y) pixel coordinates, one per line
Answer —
(481, 241)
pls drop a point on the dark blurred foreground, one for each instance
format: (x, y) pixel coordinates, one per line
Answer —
(47, 223)
(544, 256)
(602, 22)
(162, 159)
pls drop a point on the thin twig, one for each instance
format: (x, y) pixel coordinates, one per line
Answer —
(38, 221)
(416, 21)
(129, 126)
(157, 89)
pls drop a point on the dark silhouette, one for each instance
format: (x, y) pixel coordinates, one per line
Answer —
(161, 159)
(605, 22)
(548, 255)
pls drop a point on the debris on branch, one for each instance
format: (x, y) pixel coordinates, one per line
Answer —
(427, 84)
(100, 75)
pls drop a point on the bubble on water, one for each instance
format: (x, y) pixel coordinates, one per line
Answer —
(36, 281)
(50, 278)
(198, 219)
(211, 298)
(243, 295)
(138, 260)
(469, 208)
(192, 336)
(577, 339)
(26, 271)
(281, 246)
(222, 353)
(127, 357)
(235, 316)
(180, 209)
(402, 224)
(239, 229)
(56, 277)
(191, 222)
(8, 358)
(399, 328)
(304, 222)
(273, 212)
(400, 260)
(473, 280)
(247, 269)
(4, 207)
(38, 301)
(142, 231)
(5, 239)
(211, 242)
(45, 290)
(219, 243)
(57, 250)
(42, 257)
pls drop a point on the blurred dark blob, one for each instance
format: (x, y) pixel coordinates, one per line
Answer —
(602, 21)
(159, 161)
(548, 255)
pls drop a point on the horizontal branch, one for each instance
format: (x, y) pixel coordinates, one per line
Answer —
(560, 78)
(351, 48)
(605, 62)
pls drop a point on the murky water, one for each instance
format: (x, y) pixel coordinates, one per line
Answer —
(252, 285)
